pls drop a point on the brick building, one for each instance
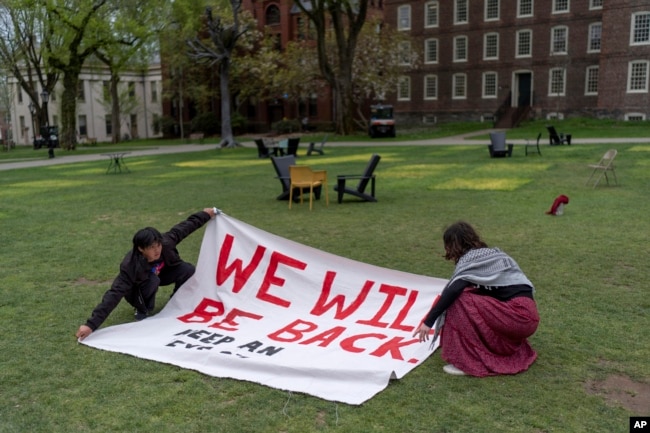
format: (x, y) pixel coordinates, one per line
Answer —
(283, 20)
(505, 60)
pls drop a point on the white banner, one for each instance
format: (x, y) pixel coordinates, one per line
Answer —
(268, 310)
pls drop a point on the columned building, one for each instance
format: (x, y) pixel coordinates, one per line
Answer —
(140, 117)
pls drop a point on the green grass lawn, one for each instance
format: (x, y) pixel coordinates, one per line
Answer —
(66, 227)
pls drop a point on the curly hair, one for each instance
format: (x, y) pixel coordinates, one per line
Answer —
(459, 238)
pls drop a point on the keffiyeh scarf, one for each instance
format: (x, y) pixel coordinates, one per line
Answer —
(487, 267)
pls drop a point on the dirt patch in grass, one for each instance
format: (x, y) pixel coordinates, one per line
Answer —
(86, 282)
(620, 390)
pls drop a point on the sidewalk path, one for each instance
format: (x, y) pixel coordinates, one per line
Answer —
(465, 139)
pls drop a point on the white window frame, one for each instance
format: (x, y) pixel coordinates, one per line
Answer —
(404, 18)
(486, 76)
(595, 4)
(459, 86)
(555, 40)
(521, 14)
(561, 6)
(593, 29)
(428, 6)
(634, 29)
(590, 80)
(404, 88)
(553, 74)
(460, 49)
(404, 53)
(428, 80)
(490, 7)
(486, 45)
(631, 76)
(635, 117)
(461, 7)
(427, 58)
(520, 33)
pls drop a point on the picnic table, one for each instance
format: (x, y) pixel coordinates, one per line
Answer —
(116, 162)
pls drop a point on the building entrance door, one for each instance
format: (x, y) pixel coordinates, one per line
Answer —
(523, 84)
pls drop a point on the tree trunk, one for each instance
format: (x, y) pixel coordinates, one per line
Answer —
(227, 139)
(68, 132)
(115, 108)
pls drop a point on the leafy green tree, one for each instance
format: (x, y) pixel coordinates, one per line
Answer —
(383, 55)
(300, 76)
(137, 25)
(79, 29)
(345, 18)
(22, 28)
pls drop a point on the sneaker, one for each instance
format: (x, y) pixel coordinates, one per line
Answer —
(453, 370)
(140, 315)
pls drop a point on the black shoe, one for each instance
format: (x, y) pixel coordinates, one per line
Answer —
(140, 315)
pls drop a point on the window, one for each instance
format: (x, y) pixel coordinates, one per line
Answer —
(81, 94)
(556, 82)
(431, 51)
(560, 6)
(131, 87)
(491, 10)
(491, 46)
(524, 8)
(637, 81)
(405, 53)
(634, 117)
(524, 43)
(109, 124)
(134, 126)
(106, 90)
(595, 4)
(591, 80)
(430, 87)
(460, 49)
(459, 86)
(404, 17)
(640, 33)
(431, 14)
(595, 35)
(313, 105)
(272, 15)
(460, 12)
(19, 93)
(404, 89)
(490, 86)
(154, 91)
(83, 125)
(559, 38)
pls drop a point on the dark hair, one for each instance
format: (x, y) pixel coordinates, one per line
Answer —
(459, 238)
(146, 237)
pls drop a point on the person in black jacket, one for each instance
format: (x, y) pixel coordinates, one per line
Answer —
(154, 261)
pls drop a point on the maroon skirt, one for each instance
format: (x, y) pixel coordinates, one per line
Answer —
(483, 336)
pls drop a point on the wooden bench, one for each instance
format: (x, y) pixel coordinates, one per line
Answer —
(197, 136)
(89, 141)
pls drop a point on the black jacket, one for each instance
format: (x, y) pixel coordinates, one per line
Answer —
(134, 269)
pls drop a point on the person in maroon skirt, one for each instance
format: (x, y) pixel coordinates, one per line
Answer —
(487, 309)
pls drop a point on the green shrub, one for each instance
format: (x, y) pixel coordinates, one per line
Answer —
(207, 123)
(286, 126)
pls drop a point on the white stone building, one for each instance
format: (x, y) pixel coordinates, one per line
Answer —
(94, 107)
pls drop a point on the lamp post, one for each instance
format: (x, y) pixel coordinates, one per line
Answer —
(45, 96)
(32, 109)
